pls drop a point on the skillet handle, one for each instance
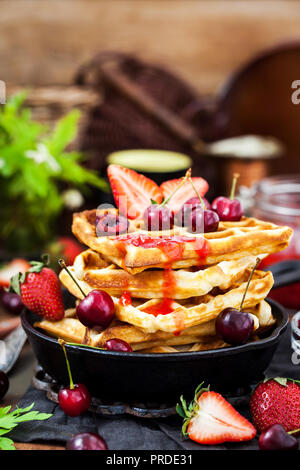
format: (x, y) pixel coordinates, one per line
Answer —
(285, 273)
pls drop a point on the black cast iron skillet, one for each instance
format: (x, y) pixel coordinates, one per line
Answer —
(160, 378)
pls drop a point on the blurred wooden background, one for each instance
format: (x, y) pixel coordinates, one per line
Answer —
(43, 42)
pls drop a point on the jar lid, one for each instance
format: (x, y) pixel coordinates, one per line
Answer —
(279, 195)
(247, 147)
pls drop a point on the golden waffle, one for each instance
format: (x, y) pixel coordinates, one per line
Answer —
(96, 273)
(177, 248)
(70, 329)
(197, 310)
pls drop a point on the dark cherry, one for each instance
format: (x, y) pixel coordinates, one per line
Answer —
(233, 326)
(276, 438)
(86, 441)
(111, 224)
(116, 344)
(4, 384)
(195, 221)
(74, 401)
(202, 221)
(12, 302)
(96, 309)
(182, 215)
(228, 210)
(211, 221)
(158, 218)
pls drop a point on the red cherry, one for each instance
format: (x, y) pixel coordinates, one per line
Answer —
(185, 210)
(86, 441)
(158, 218)
(116, 344)
(276, 438)
(96, 309)
(228, 210)
(4, 384)
(196, 220)
(233, 326)
(111, 224)
(211, 221)
(12, 302)
(74, 401)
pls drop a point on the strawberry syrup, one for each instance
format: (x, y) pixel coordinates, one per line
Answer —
(172, 247)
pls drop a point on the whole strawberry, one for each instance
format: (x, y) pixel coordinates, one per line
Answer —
(276, 401)
(40, 290)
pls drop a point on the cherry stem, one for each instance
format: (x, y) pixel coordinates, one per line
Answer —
(62, 343)
(235, 178)
(198, 195)
(85, 346)
(248, 283)
(295, 431)
(187, 175)
(63, 265)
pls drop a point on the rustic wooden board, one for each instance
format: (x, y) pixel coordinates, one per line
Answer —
(44, 42)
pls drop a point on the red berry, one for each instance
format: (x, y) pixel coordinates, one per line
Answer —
(111, 224)
(158, 218)
(228, 210)
(96, 309)
(185, 210)
(276, 401)
(116, 344)
(132, 191)
(196, 221)
(41, 293)
(276, 438)
(233, 326)
(211, 221)
(74, 401)
(86, 441)
(185, 193)
(12, 302)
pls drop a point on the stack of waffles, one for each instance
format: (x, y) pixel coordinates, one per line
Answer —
(168, 287)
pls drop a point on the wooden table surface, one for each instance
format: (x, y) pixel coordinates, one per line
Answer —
(19, 380)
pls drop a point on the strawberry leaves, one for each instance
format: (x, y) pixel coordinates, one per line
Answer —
(10, 419)
(20, 278)
(187, 412)
(281, 380)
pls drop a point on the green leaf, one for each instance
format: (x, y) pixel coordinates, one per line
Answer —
(184, 427)
(64, 132)
(10, 419)
(15, 286)
(6, 444)
(180, 410)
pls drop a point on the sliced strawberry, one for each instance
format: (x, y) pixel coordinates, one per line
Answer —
(132, 191)
(210, 419)
(17, 265)
(184, 193)
(217, 421)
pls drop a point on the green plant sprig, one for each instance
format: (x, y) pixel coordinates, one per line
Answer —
(10, 419)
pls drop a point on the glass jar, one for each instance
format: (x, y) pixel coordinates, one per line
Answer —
(277, 199)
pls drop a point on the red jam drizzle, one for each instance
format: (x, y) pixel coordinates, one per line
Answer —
(162, 308)
(171, 246)
(125, 299)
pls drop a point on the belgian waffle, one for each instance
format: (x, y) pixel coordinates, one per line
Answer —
(186, 312)
(96, 273)
(139, 249)
(200, 336)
